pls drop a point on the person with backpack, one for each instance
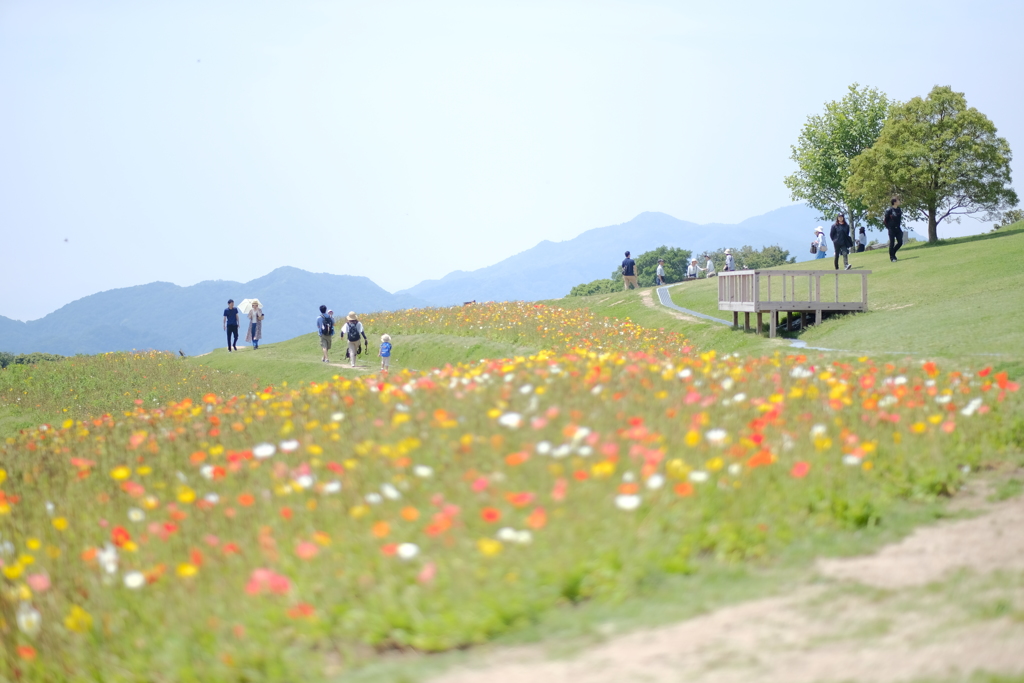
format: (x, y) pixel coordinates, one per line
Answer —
(893, 219)
(730, 262)
(385, 352)
(230, 325)
(352, 330)
(818, 246)
(325, 328)
(709, 268)
(629, 273)
(841, 241)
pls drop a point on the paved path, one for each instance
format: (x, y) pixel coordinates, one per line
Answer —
(666, 300)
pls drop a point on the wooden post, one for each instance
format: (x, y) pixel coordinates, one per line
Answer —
(735, 318)
(817, 317)
(864, 290)
(773, 318)
(746, 321)
(760, 323)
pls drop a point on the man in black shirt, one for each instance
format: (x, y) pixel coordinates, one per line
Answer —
(231, 325)
(629, 273)
(892, 219)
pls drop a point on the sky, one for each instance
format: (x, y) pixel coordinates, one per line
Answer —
(188, 141)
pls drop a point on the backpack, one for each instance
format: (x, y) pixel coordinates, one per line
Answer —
(814, 247)
(353, 330)
(328, 326)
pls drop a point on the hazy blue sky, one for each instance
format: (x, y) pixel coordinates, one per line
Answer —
(185, 141)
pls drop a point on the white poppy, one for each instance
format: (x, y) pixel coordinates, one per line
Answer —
(727, 384)
(597, 389)
(543, 448)
(887, 401)
(332, 487)
(136, 515)
(206, 471)
(971, 407)
(211, 498)
(818, 430)
(716, 437)
(739, 398)
(526, 389)
(584, 451)
(107, 558)
(562, 451)
(373, 498)
(524, 537)
(684, 373)
(943, 399)
(507, 534)
(655, 481)
(423, 471)
(134, 580)
(407, 551)
(263, 450)
(624, 502)
(511, 420)
(29, 619)
(390, 492)
(289, 446)
(698, 477)
(900, 380)
(735, 469)
(337, 417)
(305, 480)
(851, 460)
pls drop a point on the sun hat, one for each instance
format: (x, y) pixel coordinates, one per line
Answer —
(385, 337)
(819, 229)
(254, 302)
(351, 315)
(728, 251)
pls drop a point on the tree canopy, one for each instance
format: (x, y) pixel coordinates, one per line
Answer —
(941, 157)
(826, 148)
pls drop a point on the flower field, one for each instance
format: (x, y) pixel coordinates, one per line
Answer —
(258, 536)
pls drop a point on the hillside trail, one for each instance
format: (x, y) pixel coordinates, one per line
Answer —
(946, 601)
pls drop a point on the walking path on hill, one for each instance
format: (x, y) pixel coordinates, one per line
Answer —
(946, 601)
(666, 300)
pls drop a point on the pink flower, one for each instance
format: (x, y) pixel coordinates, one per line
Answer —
(800, 469)
(480, 484)
(558, 492)
(211, 540)
(39, 583)
(266, 580)
(427, 574)
(306, 550)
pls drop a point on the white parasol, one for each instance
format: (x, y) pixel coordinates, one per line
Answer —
(246, 305)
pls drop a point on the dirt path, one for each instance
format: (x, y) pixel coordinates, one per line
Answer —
(946, 601)
(647, 299)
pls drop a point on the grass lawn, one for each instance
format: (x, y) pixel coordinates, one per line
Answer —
(298, 360)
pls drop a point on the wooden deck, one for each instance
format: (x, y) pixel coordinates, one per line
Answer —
(790, 291)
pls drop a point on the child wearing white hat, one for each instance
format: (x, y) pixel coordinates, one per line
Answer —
(385, 352)
(820, 243)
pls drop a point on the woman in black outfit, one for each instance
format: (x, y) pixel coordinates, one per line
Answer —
(841, 240)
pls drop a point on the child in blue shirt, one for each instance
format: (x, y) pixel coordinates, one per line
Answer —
(385, 352)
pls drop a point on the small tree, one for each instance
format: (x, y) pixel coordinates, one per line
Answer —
(943, 159)
(1009, 218)
(758, 259)
(597, 287)
(826, 147)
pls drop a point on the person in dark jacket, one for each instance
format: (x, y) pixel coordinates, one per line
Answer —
(841, 241)
(893, 220)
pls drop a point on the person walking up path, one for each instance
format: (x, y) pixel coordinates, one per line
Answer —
(841, 241)
(659, 274)
(325, 328)
(893, 220)
(629, 273)
(352, 330)
(230, 325)
(819, 242)
(255, 331)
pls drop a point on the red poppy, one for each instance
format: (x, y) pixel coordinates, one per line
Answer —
(119, 536)
(490, 515)
(800, 469)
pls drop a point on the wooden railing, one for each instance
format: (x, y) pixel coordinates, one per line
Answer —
(758, 291)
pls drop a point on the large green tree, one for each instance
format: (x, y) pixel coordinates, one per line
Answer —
(941, 157)
(827, 145)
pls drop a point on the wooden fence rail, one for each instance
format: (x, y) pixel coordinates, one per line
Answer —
(774, 291)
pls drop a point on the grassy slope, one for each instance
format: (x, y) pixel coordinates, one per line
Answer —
(298, 359)
(956, 299)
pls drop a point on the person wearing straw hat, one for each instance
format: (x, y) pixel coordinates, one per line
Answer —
(255, 331)
(820, 245)
(730, 262)
(352, 330)
(693, 270)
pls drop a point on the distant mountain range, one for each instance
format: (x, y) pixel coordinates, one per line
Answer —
(551, 269)
(161, 315)
(164, 316)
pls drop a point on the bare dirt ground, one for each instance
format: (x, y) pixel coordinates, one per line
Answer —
(943, 603)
